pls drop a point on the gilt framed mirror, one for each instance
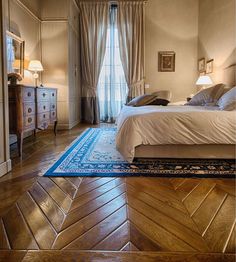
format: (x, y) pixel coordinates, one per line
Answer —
(15, 54)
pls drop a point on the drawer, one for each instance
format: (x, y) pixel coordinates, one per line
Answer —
(29, 109)
(43, 117)
(53, 106)
(53, 116)
(43, 107)
(28, 94)
(29, 122)
(43, 94)
(43, 125)
(53, 95)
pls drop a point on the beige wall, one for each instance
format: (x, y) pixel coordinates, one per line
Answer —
(60, 57)
(48, 27)
(54, 59)
(172, 25)
(217, 37)
(54, 9)
(26, 25)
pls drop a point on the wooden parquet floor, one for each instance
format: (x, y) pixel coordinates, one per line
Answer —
(172, 218)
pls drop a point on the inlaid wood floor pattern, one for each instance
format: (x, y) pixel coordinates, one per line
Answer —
(186, 216)
(122, 214)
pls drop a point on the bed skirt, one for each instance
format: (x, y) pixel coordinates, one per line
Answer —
(186, 151)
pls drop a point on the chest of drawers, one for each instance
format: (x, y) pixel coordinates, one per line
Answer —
(31, 109)
(46, 107)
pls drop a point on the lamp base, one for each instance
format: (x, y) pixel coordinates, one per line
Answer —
(36, 76)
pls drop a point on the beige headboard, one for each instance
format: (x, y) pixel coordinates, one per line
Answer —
(230, 75)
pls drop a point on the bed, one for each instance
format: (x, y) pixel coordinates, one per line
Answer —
(176, 132)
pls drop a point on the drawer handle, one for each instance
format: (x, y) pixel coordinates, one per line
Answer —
(30, 110)
(44, 116)
(44, 107)
(44, 94)
(29, 94)
(53, 94)
(53, 113)
(30, 120)
(53, 106)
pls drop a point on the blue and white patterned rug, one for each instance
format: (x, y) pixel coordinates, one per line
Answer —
(94, 154)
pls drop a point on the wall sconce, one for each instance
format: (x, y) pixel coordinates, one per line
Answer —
(35, 66)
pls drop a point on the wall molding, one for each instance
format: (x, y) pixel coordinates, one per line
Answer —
(62, 126)
(74, 124)
(23, 6)
(5, 168)
(56, 19)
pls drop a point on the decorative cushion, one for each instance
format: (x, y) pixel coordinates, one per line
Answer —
(208, 96)
(142, 100)
(163, 94)
(228, 100)
(160, 102)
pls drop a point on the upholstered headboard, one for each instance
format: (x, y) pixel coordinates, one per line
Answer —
(230, 75)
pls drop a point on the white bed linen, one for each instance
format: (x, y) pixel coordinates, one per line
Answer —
(182, 125)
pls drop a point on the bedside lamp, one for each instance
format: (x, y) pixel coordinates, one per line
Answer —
(35, 66)
(17, 64)
(204, 81)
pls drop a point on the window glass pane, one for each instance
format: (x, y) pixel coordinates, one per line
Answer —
(112, 87)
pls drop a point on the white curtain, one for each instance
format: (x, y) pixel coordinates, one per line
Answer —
(94, 21)
(130, 20)
(10, 55)
(112, 86)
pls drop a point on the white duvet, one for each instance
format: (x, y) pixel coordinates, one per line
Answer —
(184, 125)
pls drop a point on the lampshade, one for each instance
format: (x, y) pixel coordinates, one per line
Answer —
(35, 65)
(204, 80)
(16, 64)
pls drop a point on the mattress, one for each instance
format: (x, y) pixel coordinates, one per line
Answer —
(173, 125)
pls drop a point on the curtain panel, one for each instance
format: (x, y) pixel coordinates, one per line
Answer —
(94, 21)
(130, 21)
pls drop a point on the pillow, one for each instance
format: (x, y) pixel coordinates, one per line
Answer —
(163, 94)
(208, 96)
(160, 102)
(142, 100)
(228, 100)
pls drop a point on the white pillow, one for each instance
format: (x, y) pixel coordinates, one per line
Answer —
(208, 96)
(228, 100)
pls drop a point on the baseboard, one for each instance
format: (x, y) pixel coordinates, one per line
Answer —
(5, 168)
(74, 124)
(67, 126)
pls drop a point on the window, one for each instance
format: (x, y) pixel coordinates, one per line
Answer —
(112, 86)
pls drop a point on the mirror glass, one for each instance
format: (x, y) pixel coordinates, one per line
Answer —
(15, 54)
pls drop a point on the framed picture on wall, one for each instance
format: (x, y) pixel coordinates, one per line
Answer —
(201, 65)
(209, 66)
(166, 61)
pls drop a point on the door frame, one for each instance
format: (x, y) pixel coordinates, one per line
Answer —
(5, 167)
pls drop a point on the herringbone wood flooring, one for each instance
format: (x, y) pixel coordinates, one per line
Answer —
(112, 214)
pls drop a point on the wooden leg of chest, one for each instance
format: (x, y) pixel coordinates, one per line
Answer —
(55, 128)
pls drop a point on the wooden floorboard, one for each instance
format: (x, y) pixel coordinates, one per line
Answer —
(130, 255)
(194, 217)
